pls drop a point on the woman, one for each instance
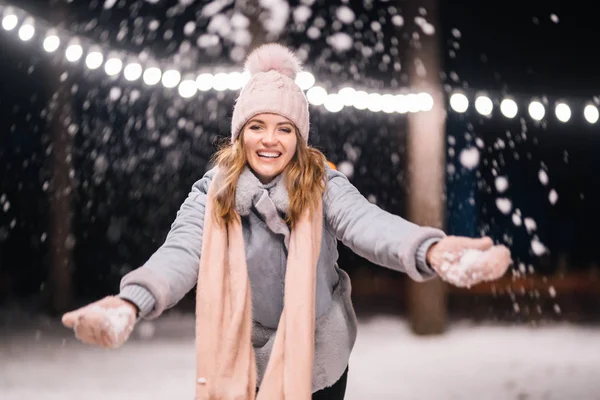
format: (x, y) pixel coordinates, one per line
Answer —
(261, 227)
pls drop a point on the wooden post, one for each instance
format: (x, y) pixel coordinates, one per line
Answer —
(427, 305)
(60, 114)
(60, 236)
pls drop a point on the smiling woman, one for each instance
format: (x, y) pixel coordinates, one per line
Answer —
(262, 226)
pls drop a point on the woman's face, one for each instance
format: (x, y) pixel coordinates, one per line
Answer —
(270, 143)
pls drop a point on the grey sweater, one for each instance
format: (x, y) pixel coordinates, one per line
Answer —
(382, 238)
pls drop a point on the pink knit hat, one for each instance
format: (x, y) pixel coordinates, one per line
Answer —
(271, 89)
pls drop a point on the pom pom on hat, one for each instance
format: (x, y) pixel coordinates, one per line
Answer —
(271, 89)
(273, 56)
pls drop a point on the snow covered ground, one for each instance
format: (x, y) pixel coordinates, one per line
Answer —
(469, 362)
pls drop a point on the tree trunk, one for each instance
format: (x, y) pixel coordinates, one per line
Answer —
(425, 160)
(60, 163)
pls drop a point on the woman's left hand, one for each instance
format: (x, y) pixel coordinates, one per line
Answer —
(465, 262)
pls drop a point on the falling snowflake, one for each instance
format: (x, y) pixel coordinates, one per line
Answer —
(469, 158)
(504, 205)
(553, 197)
(543, 177)
(501, 184)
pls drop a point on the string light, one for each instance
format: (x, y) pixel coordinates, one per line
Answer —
(171, 78)
(94, 60)
(305, 80)
(73, 52)
(132, 72)
(591, 114)
(113, 66)
(204, 82)
(361, 100)
(536, 110)
(563, 112)
(459, 102)
(10, 22)
(509, 108)
(316, 95)
(187, 88)
(484, 105)
(152, 76)
(221, 82)
(51, 43)
(333, 103)
(26, 31)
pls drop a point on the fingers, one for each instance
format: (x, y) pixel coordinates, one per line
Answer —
(481, 244)
(69, 319)
(494, 262)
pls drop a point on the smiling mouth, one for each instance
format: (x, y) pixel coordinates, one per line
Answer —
(269, 154)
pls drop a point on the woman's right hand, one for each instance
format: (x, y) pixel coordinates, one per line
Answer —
(107, 322)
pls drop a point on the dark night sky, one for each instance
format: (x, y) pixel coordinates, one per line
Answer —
(503, 46)
(525, 50)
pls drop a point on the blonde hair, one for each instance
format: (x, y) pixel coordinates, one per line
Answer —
(305, 178)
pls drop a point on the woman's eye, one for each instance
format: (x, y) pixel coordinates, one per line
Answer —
(255, 127)
(286, 130)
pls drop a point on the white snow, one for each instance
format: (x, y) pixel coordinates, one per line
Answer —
(214, 7)
(115, 93)
(340, 41)
(501, 184)
(537, 247)
(530, 224)
(346, 168)
(516, 219)
(469, 158)
(345, 14)
(398, 20)
(117, 321)
(278, 12)
(469, 361)
(504, 205)
(301, 14)
(100, 165)
(553, 197)
(108, 4)
(313, 32)
(543, 177)
(189, 28)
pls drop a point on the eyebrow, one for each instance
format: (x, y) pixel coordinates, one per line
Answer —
(263, 122)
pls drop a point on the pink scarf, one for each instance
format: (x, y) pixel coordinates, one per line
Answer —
(226, 367)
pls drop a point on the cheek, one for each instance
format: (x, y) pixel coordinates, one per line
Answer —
(249, 144)
(290, 147)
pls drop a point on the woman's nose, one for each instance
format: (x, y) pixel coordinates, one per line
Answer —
(269, 137)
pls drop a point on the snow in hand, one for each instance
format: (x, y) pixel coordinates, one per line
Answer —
(471, 266)
(117, 322)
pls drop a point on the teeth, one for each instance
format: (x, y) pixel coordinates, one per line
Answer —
(269, 155)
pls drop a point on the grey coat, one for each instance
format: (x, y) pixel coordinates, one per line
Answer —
(382, 238)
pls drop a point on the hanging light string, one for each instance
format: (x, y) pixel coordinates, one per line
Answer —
(152, 72)
(536, 108)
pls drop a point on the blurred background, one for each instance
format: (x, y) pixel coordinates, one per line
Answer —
(480, 118)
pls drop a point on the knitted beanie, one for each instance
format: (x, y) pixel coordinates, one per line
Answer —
(271, 89)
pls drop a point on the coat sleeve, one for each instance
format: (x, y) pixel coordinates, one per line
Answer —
(172, 270)
(381, 237)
